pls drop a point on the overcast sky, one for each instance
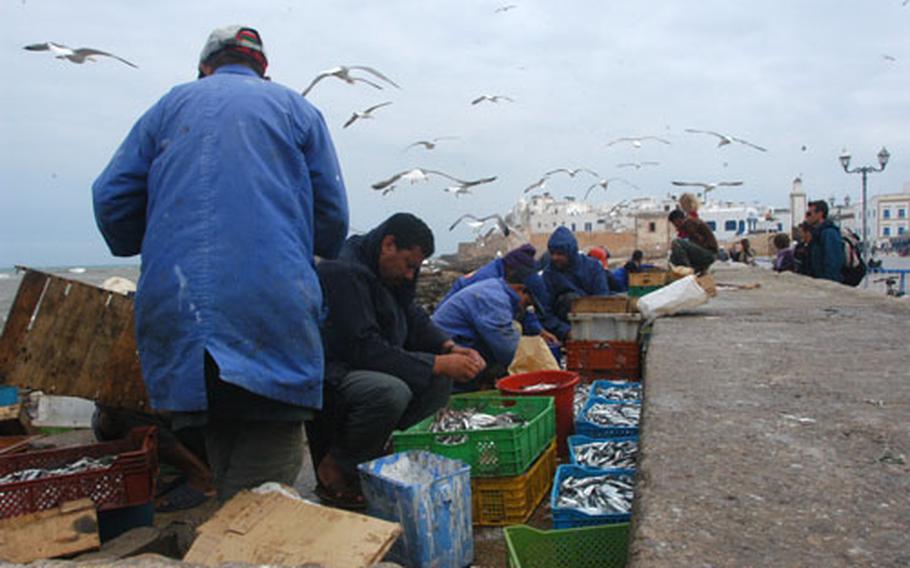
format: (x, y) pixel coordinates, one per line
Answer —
(780, 73)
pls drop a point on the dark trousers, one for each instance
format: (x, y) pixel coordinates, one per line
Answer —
(686, 253)
(363, 410)
(249, 439)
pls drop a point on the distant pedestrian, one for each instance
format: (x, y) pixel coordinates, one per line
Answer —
(634, 263)
(826, 251)
(699, 249)
(742, 252)
(801, 250)
(784, 261)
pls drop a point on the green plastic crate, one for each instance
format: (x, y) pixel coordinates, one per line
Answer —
(603, 546)
(495, 452)
(639, 291)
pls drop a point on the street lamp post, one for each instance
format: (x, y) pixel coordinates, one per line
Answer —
(883, 157)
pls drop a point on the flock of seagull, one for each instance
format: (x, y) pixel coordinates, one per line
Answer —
(362, 74)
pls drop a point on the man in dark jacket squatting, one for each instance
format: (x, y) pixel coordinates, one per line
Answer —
(387, 365)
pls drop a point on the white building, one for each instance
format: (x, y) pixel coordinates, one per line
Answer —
(893, 214)
(730, 220)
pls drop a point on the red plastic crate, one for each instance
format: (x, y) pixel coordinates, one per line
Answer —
(599, 359)
(129, 481)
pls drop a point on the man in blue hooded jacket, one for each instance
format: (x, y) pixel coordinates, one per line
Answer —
(228, 186)
(570, 275)
(483, 316)
(522, 260)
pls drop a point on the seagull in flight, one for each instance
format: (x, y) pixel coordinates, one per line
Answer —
(492, 99)
(80, 55)
(637, 165)
(572, 173)
(707, 186)
(477, 222)
(415, 175)
(430, 144)
(462, 187)
(343, 72)
(368, 113)
(724, 139)
(539, 184)
(505, 8)
(636, 141)
(606, 182)
(887, 57)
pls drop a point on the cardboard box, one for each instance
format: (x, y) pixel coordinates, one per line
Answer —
(273, 528)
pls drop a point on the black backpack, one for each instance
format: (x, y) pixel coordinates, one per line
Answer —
(854, 268)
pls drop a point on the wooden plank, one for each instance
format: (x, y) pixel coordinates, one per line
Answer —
(275, 529)
(72, 527)
(70, 338)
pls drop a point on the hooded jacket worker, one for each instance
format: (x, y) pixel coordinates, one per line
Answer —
(388, 365)
(521, 259)
(484, 317)
(227, 187)
(570, 275)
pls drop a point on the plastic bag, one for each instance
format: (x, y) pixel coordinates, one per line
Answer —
(683, 294)
(533, 354)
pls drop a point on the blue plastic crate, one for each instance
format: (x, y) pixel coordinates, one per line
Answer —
(565, 518)
(579, 440)
(605, 384)
(592, 430)
(430, 496)
(8, 395)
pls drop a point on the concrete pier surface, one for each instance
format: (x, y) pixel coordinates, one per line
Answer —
(776, 429)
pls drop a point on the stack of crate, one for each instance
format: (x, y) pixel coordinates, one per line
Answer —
(604, 339)
(511, 468)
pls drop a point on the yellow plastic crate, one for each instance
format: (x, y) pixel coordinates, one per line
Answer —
(499, 501)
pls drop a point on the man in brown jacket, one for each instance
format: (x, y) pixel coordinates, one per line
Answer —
(699, 249)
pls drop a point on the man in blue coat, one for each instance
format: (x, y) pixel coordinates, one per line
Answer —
(388, 366)
(484, 316)
(826, 248)
(517, 260)
(570, 275)
(227, 187)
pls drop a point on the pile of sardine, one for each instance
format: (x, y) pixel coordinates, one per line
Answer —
(624, 394)
(451, 420)
(539, 387)
(79, 466)
(607, 454)
(604, 414)
(582, 392)
(597, 495)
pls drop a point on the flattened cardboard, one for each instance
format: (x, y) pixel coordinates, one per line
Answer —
(72, 527)
(279, 530)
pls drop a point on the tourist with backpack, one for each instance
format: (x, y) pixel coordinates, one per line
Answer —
(826, 249)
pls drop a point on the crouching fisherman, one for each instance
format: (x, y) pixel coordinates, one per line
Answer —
(388, 366)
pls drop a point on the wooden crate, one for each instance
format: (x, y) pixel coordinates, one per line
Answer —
(644, 279)
(66, 337)
(601, 305)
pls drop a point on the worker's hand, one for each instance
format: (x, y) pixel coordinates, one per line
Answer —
(458, 366)
(470, 353)
(549, 337)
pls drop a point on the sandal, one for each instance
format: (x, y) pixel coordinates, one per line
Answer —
(351, 500)
(180, 498)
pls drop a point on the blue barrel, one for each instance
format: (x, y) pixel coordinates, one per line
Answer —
(430, 496)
